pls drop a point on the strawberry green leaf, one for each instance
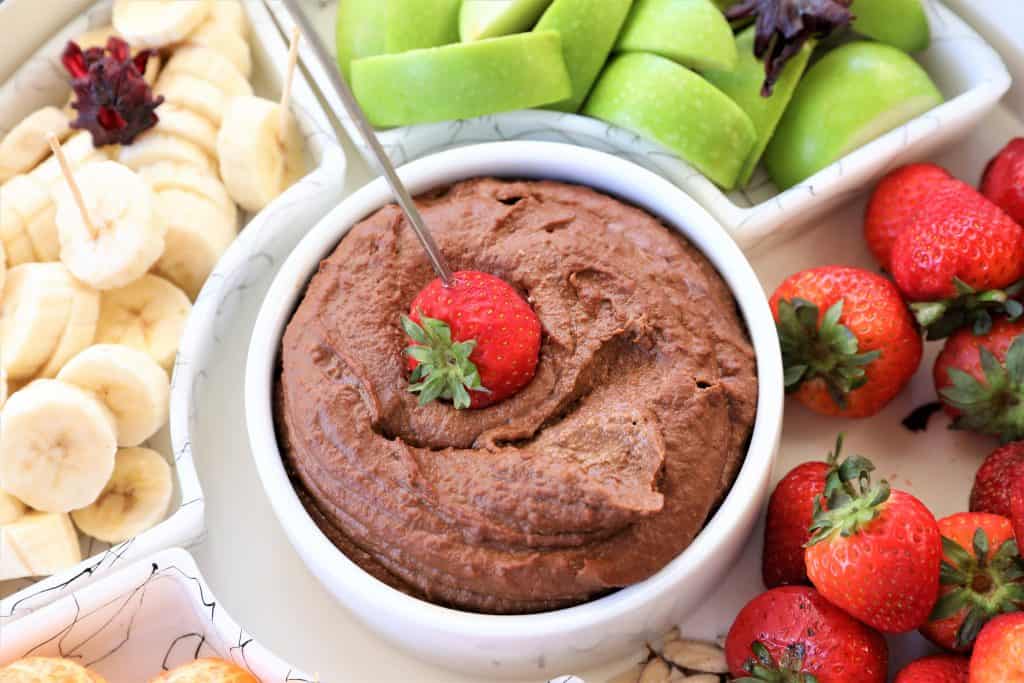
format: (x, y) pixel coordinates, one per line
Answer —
(851, 501)
(444, 370)
(828, 351)
(969, 308)
(995, 405)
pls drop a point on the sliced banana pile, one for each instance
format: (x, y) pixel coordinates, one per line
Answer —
(97, 276)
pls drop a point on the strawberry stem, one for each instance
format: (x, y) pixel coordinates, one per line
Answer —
(969, 308)
(443, 367)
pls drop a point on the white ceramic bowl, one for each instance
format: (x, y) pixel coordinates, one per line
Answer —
(155, 614)
(559, 641)
(968, 71)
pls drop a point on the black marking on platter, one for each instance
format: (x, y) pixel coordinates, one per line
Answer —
(918, 419)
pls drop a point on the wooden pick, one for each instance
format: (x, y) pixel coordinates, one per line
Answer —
(69, 177)
(293, 57)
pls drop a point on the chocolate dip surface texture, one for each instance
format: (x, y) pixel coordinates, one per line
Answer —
(595, 476)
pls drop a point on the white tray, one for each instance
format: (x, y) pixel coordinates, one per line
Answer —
(967, 70)
(41, 80)
(152, 615)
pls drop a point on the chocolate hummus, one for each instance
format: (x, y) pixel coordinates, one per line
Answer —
(594, 476)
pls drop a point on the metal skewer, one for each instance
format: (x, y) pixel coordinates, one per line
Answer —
(355, 112)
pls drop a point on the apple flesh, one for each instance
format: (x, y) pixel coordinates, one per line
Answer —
(853, 95)
(462, 80)
(693, 33)
(481, 19)
(659, 99)
(900, 23)
(743, 85)
(589, 29)
(366, 28)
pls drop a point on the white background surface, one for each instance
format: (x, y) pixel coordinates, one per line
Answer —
(260, 580)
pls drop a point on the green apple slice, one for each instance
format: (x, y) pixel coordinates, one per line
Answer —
(657, 98)
(691, 32)
(366, 28)
(853, 95)
(482, 19)
(743, 85)
(900, 23)
(588, 29)
(462, 80)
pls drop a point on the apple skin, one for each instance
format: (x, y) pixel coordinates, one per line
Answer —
(743, 85)
(900, 23)
(481, 19)
(853, 95)
(462, 80)
(659, 99)
(693, 33)
(589, 29)
(366, 28)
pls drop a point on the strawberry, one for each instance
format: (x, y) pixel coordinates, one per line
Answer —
(790, 511)
(874, 552)
(1003, 182)
(959, 261)
(935, 669)
(980, 576)
(793, 634)
(849, 345)
(1017, 503)
(991, 491)
(999, 651)
(980, 379)
(895, 202)
(475, 341)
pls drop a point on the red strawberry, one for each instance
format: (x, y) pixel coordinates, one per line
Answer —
(849, 345)
(957, 260)
(792, 630)
(875, 552)
(935, 669)
(895, 202)
(991, 492)
(475, 341)
(1017, 503)
(999, 651)
(790, 512)
(980, 578)
(980, 379)
(1003, 182)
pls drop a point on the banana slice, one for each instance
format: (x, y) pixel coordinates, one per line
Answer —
(132, 386)
(148, 315)
(169, 175)
(80, 330)
(258, 161)
(198, 232)
(135, 499)
(11, 509)
(227, 41)
(78, 150)
(21, 199)
(34, 312)
(196, 94)
(57, 446)
(208, 64)
(158, 23)
(37, 544)
(188, 125)
(156, 146)
(229, 15)
(3, 277)
(129, 235)
(25, 146)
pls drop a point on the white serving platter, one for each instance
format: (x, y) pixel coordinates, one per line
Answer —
(150, 616)
(40, 81)
(966, 69)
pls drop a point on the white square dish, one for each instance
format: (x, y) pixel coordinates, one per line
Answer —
(968, 71)
(41, 81)
(148, 617)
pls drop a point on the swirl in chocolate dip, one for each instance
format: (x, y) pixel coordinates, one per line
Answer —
(594, 477)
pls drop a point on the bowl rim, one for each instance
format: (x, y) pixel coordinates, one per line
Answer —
(608, 174)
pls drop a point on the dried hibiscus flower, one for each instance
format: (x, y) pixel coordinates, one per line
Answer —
(784, 26)
(114, 102)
